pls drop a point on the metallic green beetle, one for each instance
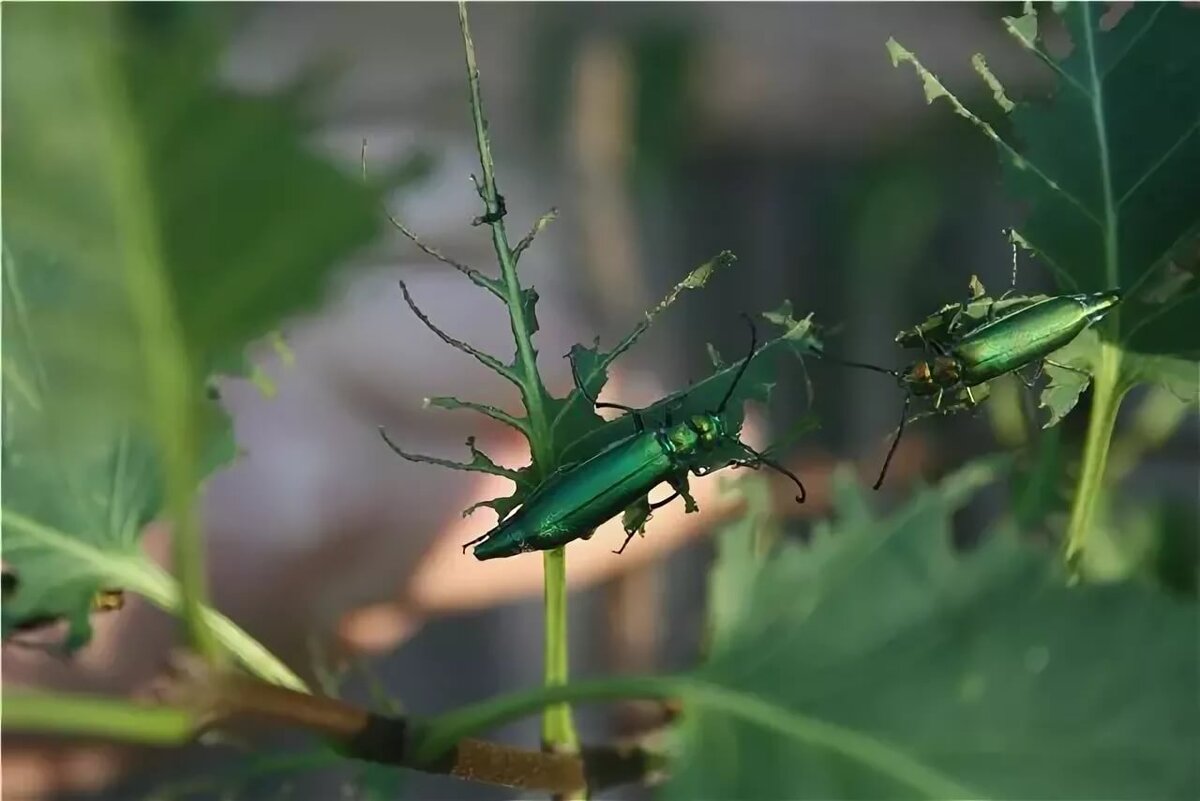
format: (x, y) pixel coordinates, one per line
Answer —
(956, 319)
(1004, 345)
(572, 502)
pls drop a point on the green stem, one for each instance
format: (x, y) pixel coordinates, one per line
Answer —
(172, 390)
(1108, 389)
(54, 713)
(137, 574)
(558, 730)
(532, 391)
(878, 755)
(158, 587)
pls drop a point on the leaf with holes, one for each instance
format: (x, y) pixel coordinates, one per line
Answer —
(1109, 167)
(579, 433)
(878, 662)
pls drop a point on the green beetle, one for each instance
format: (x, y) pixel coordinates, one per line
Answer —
(1004, 345)
(575, 500)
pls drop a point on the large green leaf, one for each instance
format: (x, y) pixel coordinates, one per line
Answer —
(155, 222)
(902, 668)
(1109, 167)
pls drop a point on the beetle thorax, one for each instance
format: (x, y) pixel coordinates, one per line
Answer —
(926, 376)
(698, 432)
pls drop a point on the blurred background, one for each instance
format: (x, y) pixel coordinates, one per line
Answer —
(663, 133)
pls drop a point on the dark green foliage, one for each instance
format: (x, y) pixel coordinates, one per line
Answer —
(903, 669)
(1109, 165)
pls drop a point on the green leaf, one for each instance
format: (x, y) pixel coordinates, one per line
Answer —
(1109, 168)
(572, 417)
(1064, 387)
(741, 548)
(906, 669)
(155, 222)
(795, 338)
(103, 493)
(965, 316)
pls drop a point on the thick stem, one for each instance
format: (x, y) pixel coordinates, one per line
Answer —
(1108, 389)
(558, 730)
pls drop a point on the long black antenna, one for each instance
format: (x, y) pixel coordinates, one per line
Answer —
(579, 385)
(895, 442)
(776, 466)
(741, 370)
(903, 411)
(863, 365)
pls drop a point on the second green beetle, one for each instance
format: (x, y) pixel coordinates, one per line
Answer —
(1007, 344)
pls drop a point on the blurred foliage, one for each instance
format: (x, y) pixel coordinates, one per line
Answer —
(156, 221)
(909, 669)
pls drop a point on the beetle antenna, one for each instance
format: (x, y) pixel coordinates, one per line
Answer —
(587, 396)
(746, 363)
(777, 467)
(895, 442)
(863, 365)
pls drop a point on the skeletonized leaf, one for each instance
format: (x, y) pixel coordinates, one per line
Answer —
(1063, 386)
(1109, 167)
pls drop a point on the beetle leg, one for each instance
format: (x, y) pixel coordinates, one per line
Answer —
(1029, 382)
(664, 501)
(680, 484)
(625, 544)
(1062, 366)
(956, 319)
(937, 403)
(971, 396)
(476, 541)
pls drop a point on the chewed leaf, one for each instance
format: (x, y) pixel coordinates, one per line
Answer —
(578, 432)
(964, 317)
(794, 338)
(442, 402)
(480, 461)
(1108, 165)
(635, 517)
(572, 417)
(65, 529)
(1064, 387)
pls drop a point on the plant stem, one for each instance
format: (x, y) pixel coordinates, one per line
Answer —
(1108, 390)
(172, 391)
(161, 589)
(558, 730)
(55, 713)
(877, 755)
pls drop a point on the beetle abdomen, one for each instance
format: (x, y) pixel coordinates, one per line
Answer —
(1030, 334)
(571, 504)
